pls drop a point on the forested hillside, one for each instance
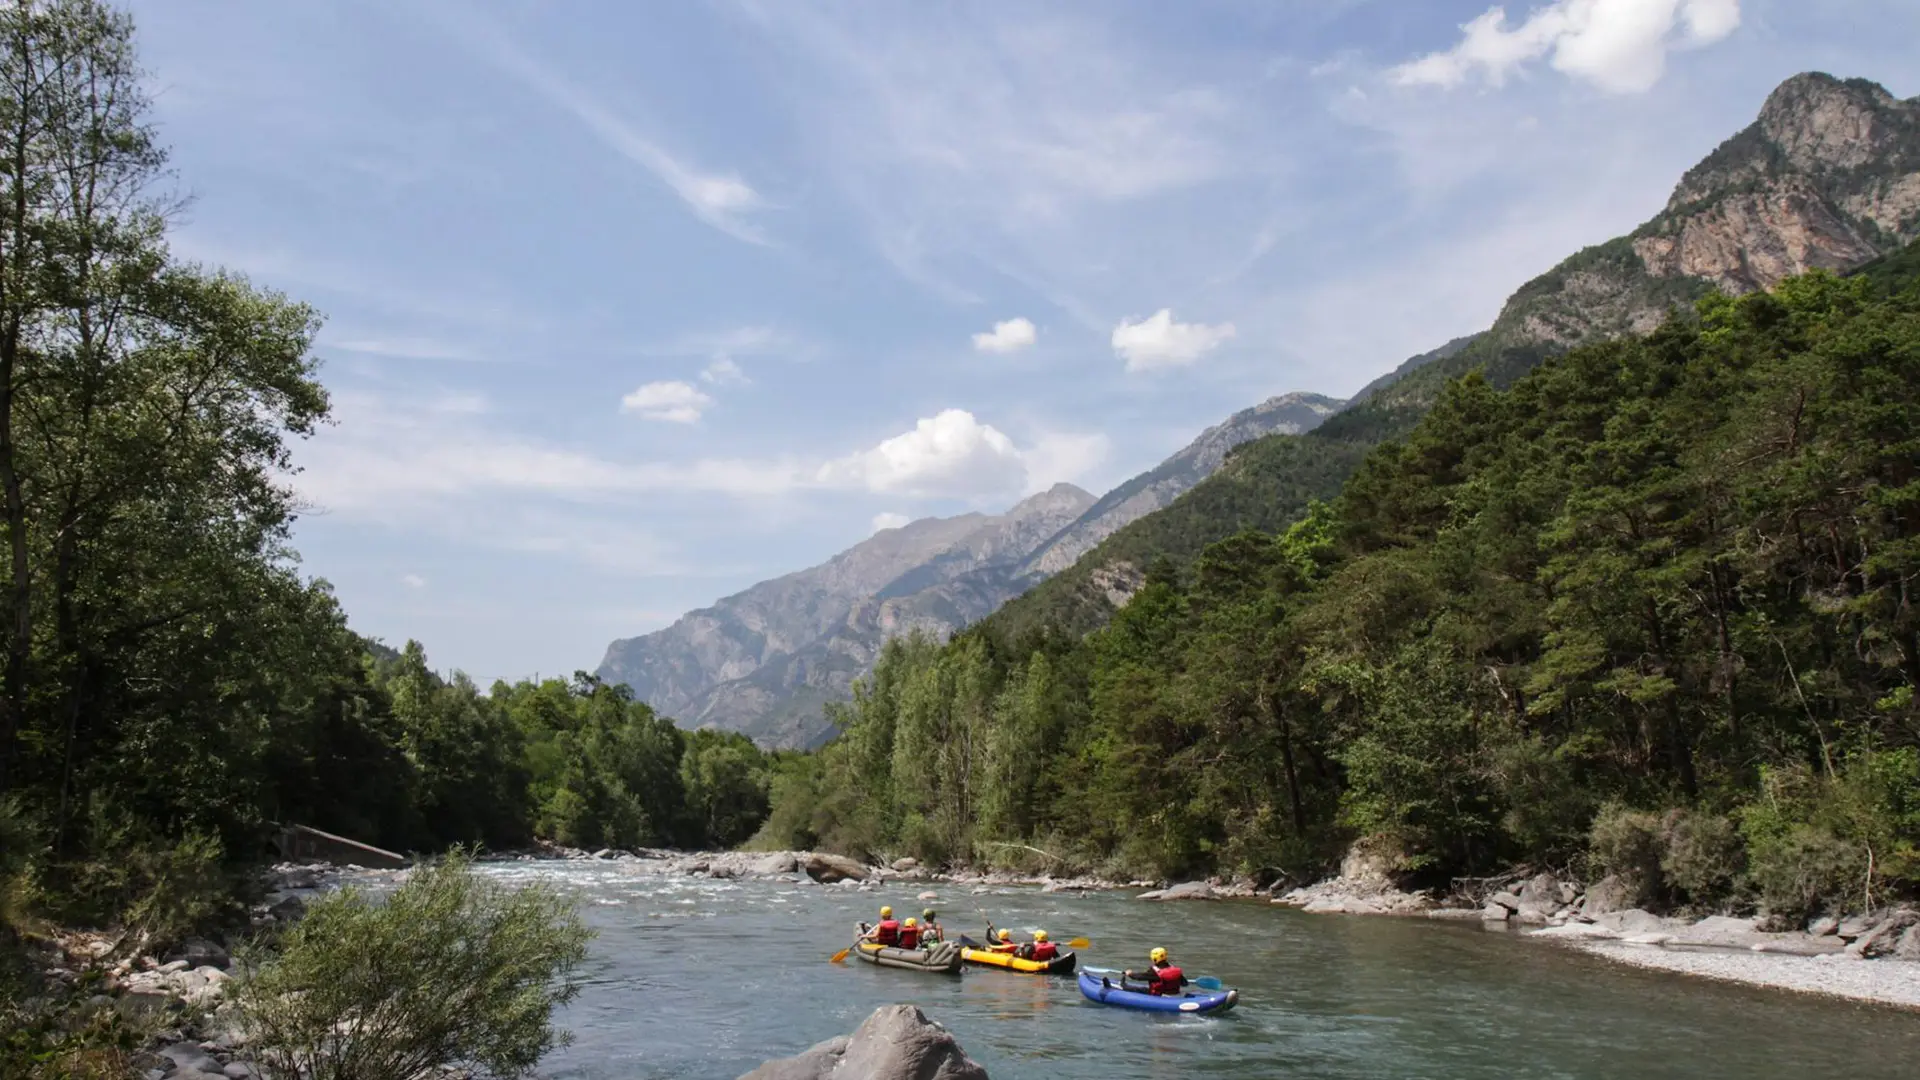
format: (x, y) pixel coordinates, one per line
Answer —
(172, 685)
(1652, 609)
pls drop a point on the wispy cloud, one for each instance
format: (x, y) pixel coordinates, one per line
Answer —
(404, 348)
(413, 581)
(1618, 45)
(393, 459)
(723, 371)
(889, 520)
(721, 199)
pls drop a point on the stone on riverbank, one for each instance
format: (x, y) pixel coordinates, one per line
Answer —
(1189, 890)
(828, 869)
(897, 1042)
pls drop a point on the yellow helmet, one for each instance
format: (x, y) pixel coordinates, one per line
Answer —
(886, 912)
(1157, 955)
(1039, 935)
(1006, 935)
(911, 921)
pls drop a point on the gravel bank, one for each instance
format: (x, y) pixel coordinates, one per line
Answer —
(1881, 981)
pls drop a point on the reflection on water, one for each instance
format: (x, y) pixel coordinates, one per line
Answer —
(697, 978)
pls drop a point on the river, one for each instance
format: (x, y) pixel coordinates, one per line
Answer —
(697, 978)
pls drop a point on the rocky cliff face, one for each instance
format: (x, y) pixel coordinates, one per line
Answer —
(1288, 414)
(1826, 177)
(763, 661)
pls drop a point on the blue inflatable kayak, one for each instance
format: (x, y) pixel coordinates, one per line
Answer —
(1104, 987)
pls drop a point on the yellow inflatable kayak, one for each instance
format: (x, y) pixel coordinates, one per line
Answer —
(1059, 965)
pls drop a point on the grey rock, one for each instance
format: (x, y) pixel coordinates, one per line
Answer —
(828, 869)
(1608, 895)
(1461, 914)
(1540, 896)
(1569, 892)
(1854, 926)
(603, 853)
(1885, 938)
(237, 1070)
(1188, 890)
(905, 864)
(288, 910)
(1496, 912)
(775, 865)
(1506, 900)
(1634, 921)
(199, 952)
(1825, 926)
(897, 1042)
(188, 1056)
(1909, 947)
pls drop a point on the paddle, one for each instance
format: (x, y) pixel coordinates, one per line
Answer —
(840, 957)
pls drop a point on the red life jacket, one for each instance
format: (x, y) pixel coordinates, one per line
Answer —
(1167, 981)
(888, 932)
(909, 937)
(1045, 950)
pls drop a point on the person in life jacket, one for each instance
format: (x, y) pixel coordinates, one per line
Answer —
(1042, 950)
(888, 932)
(1162, 979)
(1002, 941)
(910, 934)
(929, 929)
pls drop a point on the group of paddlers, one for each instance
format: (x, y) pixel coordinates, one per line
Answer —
(1161, 978)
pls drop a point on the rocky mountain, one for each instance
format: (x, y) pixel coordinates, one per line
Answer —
(763, 660)
(1288, 414)
(1826, 177)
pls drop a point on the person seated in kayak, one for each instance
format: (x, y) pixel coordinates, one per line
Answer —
(1162, 979)
(1001, 942)
(910, 934)
(929, 929)
(887, 932)
(1041, 950)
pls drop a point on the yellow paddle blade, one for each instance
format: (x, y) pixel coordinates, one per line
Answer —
(1078, 943)
(839, 956)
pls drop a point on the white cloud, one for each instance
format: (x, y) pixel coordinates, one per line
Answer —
(1006, 336)
(404, 348)
(889, 520)
(954, 455)
(1620, 46)
(719, 199)
(950, 454)
(724, 372)
(413, 581)
(673, 401)
(1158, 341)
(1065, 457)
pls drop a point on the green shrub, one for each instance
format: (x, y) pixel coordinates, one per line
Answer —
(1818, 842)
(451, 970)
(1804, 869)
(1627, 843)
(1702, 856)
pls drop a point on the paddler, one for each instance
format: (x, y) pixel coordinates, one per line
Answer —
(1042, 950)
(929, 929)
(910, 934)
(1001, 942)
(887, 932)
(1162, 978)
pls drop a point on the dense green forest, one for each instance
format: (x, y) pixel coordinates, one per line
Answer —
(171, 685)
(1650, 609)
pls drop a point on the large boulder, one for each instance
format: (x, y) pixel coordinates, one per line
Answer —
(774, 865)
(1884, 939)
(199, 952)
(1606, 896)
(897, 1042)
(827, 869)
(1540, 896)
(905, 864)
(1909, 947)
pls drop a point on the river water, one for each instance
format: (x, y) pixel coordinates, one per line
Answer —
(697, 978)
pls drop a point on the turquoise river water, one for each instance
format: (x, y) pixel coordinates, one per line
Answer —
(707, 979)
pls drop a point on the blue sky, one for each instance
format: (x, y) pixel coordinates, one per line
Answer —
(631, 305)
